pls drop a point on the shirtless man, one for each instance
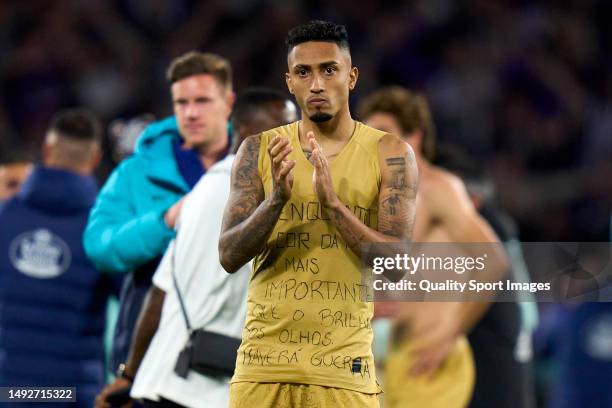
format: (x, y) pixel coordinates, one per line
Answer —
(439, 368)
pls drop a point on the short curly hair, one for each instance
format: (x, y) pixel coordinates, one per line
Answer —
(318, 30)
(410, 109)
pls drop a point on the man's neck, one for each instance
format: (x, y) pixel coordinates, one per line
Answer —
(213, 152)
(339, 128)
(78, 168)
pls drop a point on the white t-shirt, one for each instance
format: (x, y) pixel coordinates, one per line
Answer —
(214, 299)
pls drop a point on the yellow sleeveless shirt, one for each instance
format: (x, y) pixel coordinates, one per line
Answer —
(306, 322)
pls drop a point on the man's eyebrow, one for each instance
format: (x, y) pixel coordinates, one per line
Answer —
(321, 65)
(328, 64)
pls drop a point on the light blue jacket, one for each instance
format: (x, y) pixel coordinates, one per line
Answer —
(126, 226)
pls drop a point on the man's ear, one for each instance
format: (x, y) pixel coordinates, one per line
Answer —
(45, 151)
(353, 76)
(96, 158)
(229, 100)
(415, 139)
(245, 131)
(288, 82)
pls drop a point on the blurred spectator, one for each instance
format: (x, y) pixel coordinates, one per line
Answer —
(583, 352)
(524, 86)
(52, 299)
(430, 362)
(502, 340)
(219, 305)
(15, 168)
(124, 135)
(134, 216)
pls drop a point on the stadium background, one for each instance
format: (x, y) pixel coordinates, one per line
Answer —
(525, 87)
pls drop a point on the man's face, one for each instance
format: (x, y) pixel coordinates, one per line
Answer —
(320, 76)
(202, 107)
(12, 177)
(388, 123)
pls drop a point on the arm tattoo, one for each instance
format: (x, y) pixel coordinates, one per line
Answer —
(396, 213)
(352, 238)
(396, 161)
(246, 194)
(395, 209)
(249, 218)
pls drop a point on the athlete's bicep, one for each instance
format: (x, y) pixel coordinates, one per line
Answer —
(246, 190)
(398, 189)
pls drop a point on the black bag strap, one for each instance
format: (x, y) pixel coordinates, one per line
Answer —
(178, 292)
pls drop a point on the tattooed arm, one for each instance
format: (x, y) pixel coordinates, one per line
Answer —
(396, 203)
(249, 219)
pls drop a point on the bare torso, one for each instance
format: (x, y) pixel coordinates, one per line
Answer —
(430, 226)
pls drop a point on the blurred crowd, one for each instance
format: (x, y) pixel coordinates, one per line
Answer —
(525, 86)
